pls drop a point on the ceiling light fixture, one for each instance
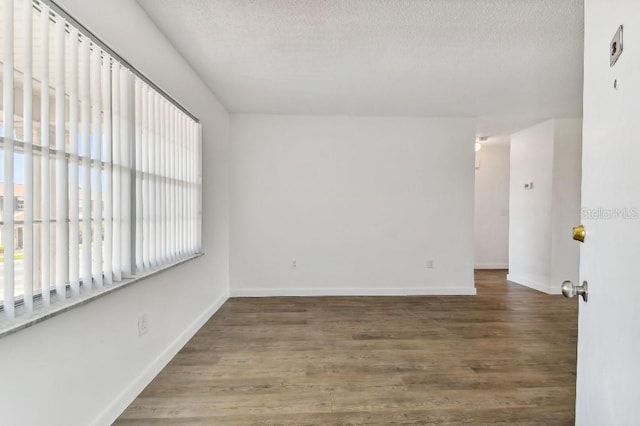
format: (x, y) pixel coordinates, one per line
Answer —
(478, 142)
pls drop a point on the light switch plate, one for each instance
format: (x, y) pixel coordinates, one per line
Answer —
(615, 47)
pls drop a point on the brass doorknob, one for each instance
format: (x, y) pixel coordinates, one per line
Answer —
(579, 233)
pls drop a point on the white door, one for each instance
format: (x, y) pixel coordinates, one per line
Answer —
(608, 381)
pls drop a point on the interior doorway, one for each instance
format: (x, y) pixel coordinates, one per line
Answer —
(491, 223)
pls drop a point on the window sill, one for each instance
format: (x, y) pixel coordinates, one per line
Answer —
(41, 313)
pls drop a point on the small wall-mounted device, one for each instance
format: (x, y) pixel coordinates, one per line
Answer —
(528, 185)
(615, 47)
(143, 324)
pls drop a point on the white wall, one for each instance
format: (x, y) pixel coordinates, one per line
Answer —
(541, 251)
(86, 365)
(491, 230)
(361, 204)
(565, 204)
(530, 210)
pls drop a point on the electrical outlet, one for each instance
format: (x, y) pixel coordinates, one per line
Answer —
(294, 264)
(430, 264)
(143, 324)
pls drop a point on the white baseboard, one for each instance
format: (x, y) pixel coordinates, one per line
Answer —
(543, 287)
(279, 292)
(126, 397)
(491, 266)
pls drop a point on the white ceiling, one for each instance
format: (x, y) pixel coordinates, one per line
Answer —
(509, 62)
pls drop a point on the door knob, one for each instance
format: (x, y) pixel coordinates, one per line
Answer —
(569, 290)
(579, 233)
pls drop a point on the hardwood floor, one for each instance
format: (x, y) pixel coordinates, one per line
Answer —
(507, 355)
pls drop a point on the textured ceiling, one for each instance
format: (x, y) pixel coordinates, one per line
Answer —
(509, 62)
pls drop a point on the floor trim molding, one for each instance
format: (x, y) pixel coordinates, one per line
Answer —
(491, 266)
(137, 385)
(543, 287)
(301, 292)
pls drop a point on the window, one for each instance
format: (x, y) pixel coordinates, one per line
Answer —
(102, 166)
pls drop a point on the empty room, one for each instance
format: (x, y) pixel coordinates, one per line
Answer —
(319, 212)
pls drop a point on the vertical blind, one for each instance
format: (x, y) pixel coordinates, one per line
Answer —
(101, 170)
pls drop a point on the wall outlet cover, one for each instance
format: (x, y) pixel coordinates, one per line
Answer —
(143, 324)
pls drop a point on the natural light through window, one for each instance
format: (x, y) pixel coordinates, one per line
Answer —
(99, 169)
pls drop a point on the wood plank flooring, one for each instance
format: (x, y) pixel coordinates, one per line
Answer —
(505, 356)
